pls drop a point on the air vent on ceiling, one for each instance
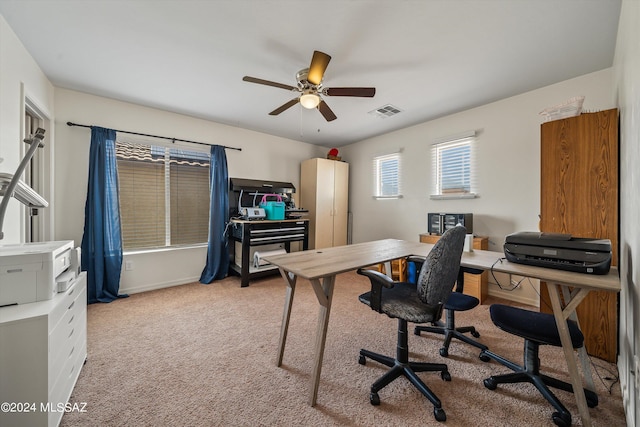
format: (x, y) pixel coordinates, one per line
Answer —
(386, 111)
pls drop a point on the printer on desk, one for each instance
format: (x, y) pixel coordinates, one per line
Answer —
(559, 251)
(33, 272)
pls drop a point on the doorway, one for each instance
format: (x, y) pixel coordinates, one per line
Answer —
(37, 221)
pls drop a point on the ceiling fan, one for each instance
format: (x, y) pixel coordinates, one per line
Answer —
(310, 88)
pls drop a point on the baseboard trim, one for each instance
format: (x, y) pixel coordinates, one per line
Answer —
(155, 286)
(513, 297)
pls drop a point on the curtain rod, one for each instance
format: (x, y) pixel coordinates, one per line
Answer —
(173, 140)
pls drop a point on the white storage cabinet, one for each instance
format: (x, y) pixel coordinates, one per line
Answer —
(43, 346)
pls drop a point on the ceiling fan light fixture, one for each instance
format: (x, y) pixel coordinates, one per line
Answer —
(309, 89)
(309, 100)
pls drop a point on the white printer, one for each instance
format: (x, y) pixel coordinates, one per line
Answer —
(31, 272)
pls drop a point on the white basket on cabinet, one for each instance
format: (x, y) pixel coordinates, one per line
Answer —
(570, 108)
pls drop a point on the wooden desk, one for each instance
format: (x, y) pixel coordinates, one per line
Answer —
(566, 290)
(325, 264)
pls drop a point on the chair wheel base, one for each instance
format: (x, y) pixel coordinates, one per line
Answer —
(445, 375)
(592, 399)
(374, 398)
(561, 419)
(444, 352)
(484, 357)
(475, 334)
(362, 360)
(439, 414)
(490, 383)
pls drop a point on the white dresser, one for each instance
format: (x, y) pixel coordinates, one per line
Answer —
(43, 346)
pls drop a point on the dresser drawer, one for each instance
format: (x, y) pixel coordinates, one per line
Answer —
(63, 301)
(69, 371)
(76, 336)
(71, 326)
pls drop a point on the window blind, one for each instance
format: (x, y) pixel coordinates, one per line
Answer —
(387, 181)
(454, 168)
(164, 195)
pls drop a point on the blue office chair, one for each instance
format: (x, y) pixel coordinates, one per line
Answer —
(457, 301)
(537, 329)
(420, 302)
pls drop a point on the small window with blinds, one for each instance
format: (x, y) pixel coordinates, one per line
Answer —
(453, 166)
(386, 170)
(164, 196)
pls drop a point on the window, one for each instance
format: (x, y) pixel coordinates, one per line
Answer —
(164, 196)
(386, 171)
(453, 167)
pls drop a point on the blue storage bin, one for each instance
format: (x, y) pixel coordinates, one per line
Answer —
(273, 209)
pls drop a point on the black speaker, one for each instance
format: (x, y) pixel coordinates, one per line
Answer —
(438, 223)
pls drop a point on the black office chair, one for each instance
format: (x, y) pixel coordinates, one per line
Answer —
(457, 301)
(536, 329)
(420, 302)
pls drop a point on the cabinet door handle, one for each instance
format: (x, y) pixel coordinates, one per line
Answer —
(71, 320)
(71, 332)
(71, 305)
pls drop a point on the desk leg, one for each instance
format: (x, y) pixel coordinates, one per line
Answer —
(582, 351)
(567, 347)
(290, 280)
(324, 293)
(388, 268)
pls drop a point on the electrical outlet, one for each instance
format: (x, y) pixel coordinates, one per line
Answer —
(515, 280)
(128, 265)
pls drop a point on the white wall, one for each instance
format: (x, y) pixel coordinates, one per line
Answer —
(627, 79)
(508, 167)
(262, 157)
(20, 78)
(508, 149)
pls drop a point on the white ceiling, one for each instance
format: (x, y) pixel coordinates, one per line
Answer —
(428, 58)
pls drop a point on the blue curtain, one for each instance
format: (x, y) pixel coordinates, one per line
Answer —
(217, 264)
(102, 241)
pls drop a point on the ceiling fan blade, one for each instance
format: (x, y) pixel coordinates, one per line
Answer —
(365, 92)
(268, 83)
(326, 111)
(284, 107)
(319, 63)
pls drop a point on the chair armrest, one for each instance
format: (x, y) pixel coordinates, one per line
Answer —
(472, 270)
(378, 280)
(460, 281)
(377, 277)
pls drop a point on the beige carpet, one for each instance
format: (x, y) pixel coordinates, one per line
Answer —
(204, 355)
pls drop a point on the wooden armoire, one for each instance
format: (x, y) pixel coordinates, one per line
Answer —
(324, 191)
(579, 196)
